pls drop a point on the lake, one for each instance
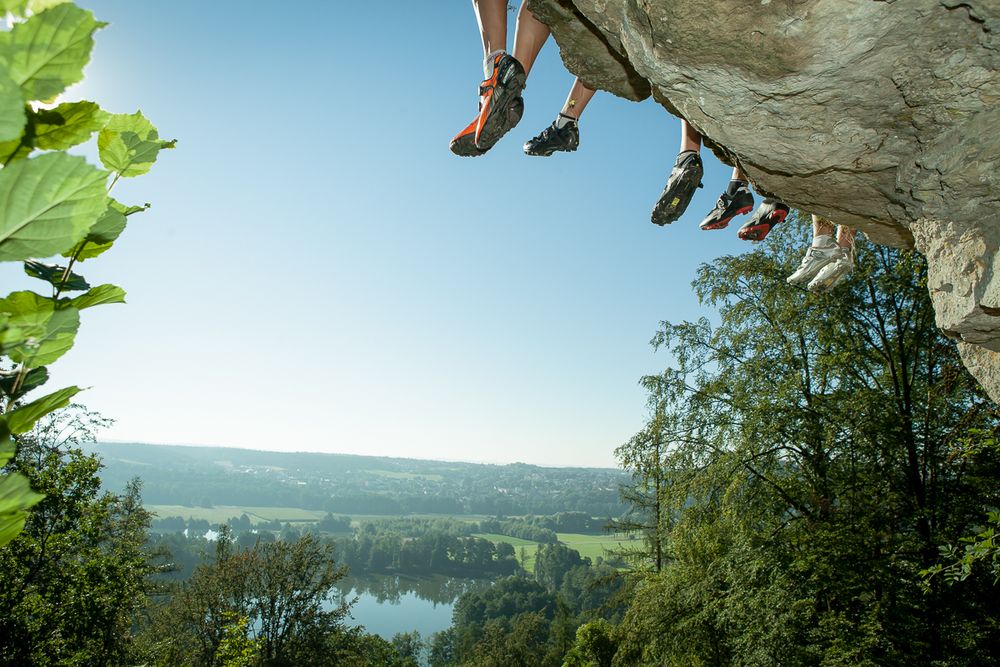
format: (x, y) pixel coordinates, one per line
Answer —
(388, 605)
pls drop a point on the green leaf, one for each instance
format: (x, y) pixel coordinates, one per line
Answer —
(129, 144)
(6, 445)
(129, 210)
(11, 151)
(108, 227)
(12, 116)
(47, 53)
(69, 124)
(16, 496)
(98, 296)
(53, 275)
(23, 419)
(37, 6)
(104, 232)
(87, 250)
(16, 7)
(63, 127)
(10, 335)
(48, 204)
(33, 379)
(47, 332)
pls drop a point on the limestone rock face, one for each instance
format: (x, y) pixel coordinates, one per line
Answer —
(879, 114)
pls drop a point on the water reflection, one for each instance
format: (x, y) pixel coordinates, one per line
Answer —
(391, 589)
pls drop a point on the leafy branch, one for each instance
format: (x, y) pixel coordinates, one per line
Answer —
(53, 204)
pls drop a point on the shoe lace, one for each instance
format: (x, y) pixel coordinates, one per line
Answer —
(817, 253)
(548, 133)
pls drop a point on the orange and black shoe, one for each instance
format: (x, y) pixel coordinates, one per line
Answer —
(500, 107)
(728, 207)
(768, 214)
(464, 143)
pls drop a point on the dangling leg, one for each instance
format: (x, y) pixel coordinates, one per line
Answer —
(500, 103)
(564, 132)
(736, 200)
(837, 271)
(684, 179)
(823, 251)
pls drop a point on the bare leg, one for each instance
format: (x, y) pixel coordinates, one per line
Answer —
(492, 18)
(822, 227)
(826, 264)
(738, 175)
(845, 237)
(690, 138)
(579, 98)
(529, 36)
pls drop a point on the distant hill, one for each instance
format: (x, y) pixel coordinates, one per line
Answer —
(348, 483)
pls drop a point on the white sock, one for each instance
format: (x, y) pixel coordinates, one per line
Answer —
(824, 241)
(562, 120)
(488, 63)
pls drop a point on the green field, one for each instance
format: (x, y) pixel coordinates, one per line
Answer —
(356, 519)
(222, 513)
(589, 546)
(592, 546)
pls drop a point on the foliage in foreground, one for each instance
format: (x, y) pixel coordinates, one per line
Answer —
(53, 203)
(73, 582)
(273, 604)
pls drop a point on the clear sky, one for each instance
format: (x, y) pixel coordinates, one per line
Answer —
(318, 272)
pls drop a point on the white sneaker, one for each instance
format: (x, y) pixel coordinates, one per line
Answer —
(833, 273)
(814, 261)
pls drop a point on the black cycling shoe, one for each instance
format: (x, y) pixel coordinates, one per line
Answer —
(728, 207)
(684, 179)
(768, 214)
(554, 138)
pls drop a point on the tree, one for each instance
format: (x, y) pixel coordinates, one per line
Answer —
(73, 581)
(809, 476)
(643, 455)
(595, 645)
(286, 591)
(553, 562)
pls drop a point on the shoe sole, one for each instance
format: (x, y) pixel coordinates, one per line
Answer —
(671, 205)
(510, 83)
(809, 277)
(760, 230)
(549, 152)
(828, 284)
(464, 145)
(722, 224)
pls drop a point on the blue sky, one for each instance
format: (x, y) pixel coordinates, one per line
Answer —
(318, 271)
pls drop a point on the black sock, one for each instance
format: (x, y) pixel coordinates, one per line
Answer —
(735, 185)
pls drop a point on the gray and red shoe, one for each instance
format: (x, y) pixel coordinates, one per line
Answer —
(728, 207)
(770, 213)
(500, 108)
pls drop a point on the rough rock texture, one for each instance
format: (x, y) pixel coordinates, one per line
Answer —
(880, 114)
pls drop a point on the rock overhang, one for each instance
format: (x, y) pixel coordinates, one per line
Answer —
(877, 114)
